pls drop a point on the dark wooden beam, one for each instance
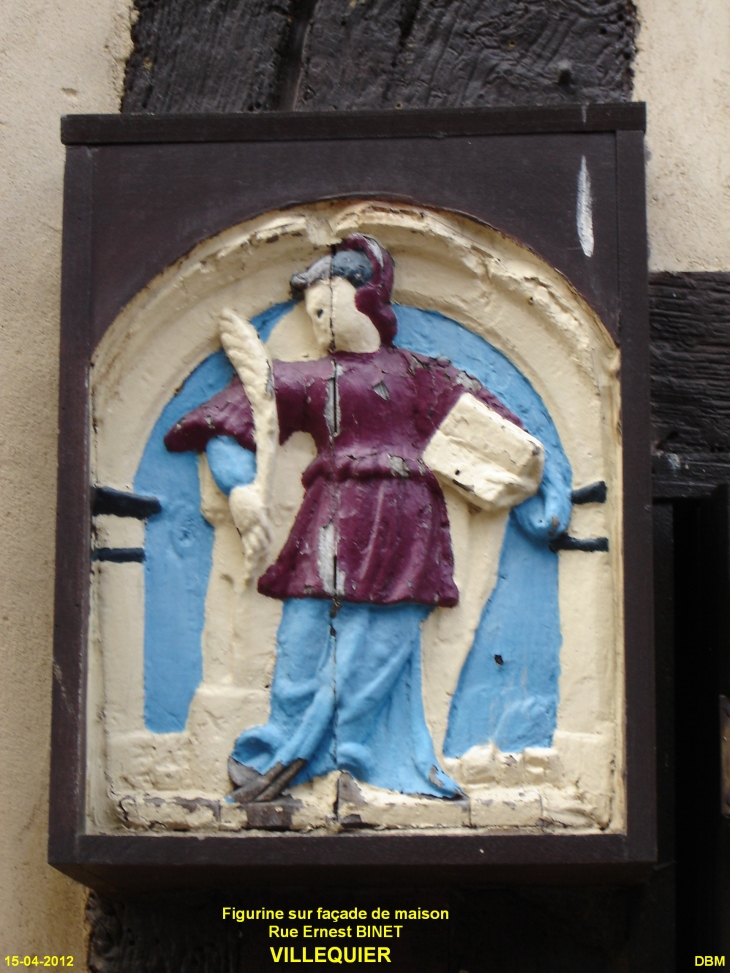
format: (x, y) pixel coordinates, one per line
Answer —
(690, 343)
(227, 56)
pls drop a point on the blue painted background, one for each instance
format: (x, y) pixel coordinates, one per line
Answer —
(512, 701)
(178, 550)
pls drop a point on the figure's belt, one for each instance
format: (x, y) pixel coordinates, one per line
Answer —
(380, 465)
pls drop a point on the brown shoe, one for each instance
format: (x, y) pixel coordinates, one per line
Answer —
(261, 787)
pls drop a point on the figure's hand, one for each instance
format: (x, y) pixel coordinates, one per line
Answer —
(249, 515)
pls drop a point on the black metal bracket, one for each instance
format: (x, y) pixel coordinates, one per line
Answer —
(106, 500)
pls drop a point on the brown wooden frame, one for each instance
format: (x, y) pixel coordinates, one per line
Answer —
(140, 191)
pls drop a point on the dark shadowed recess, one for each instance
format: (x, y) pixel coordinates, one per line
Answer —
(690, 393)
(254, 55)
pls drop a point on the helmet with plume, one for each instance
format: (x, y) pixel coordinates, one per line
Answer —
(369, 268)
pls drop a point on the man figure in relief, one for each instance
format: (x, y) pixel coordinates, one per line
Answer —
(369, 555)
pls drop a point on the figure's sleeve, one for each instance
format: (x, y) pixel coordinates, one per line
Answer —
(227, 414)
(290, 382)
(230, 464)
(440, 386)
(461, 382)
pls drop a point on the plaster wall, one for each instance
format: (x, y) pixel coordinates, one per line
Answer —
(56, 57)
(683, 73)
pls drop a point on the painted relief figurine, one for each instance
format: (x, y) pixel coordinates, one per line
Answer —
(369, 555)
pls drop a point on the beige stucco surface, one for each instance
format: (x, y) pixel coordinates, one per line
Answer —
(683, 73)
(56, 56)
(67, 56)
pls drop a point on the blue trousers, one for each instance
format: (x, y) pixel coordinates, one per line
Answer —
(346, 695)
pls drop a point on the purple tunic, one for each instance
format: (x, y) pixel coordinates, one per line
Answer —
(373, 525)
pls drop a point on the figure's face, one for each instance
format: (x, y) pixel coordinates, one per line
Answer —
(337, 323)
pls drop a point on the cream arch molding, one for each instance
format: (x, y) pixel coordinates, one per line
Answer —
(497, 289)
